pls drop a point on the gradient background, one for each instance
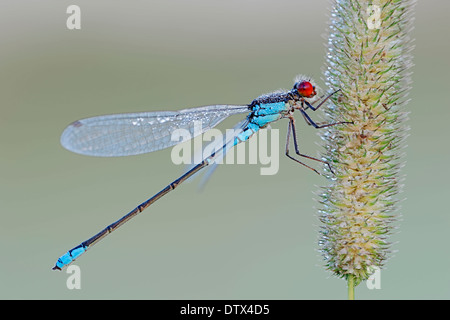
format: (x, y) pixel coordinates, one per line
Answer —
(246, 236)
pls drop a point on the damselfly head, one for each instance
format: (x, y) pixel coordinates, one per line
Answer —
(305, 89)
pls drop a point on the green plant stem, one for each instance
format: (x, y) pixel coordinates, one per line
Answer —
(351, 287)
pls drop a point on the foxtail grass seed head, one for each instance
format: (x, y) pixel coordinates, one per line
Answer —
(368, 58)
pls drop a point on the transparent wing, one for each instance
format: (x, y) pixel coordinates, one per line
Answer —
(135, 133)
(218, 147)
(237, 129)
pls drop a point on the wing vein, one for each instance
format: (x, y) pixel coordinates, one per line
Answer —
(136, 133)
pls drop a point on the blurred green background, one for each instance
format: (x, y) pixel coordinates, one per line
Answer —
(246, 236)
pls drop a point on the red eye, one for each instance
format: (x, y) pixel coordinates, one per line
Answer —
(306, 89)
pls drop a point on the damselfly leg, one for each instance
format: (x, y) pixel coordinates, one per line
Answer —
(309, 121)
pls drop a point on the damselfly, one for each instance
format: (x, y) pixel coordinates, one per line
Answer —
(136, 133)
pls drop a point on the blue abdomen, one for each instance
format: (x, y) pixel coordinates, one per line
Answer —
(261, 116)
(70, 256)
